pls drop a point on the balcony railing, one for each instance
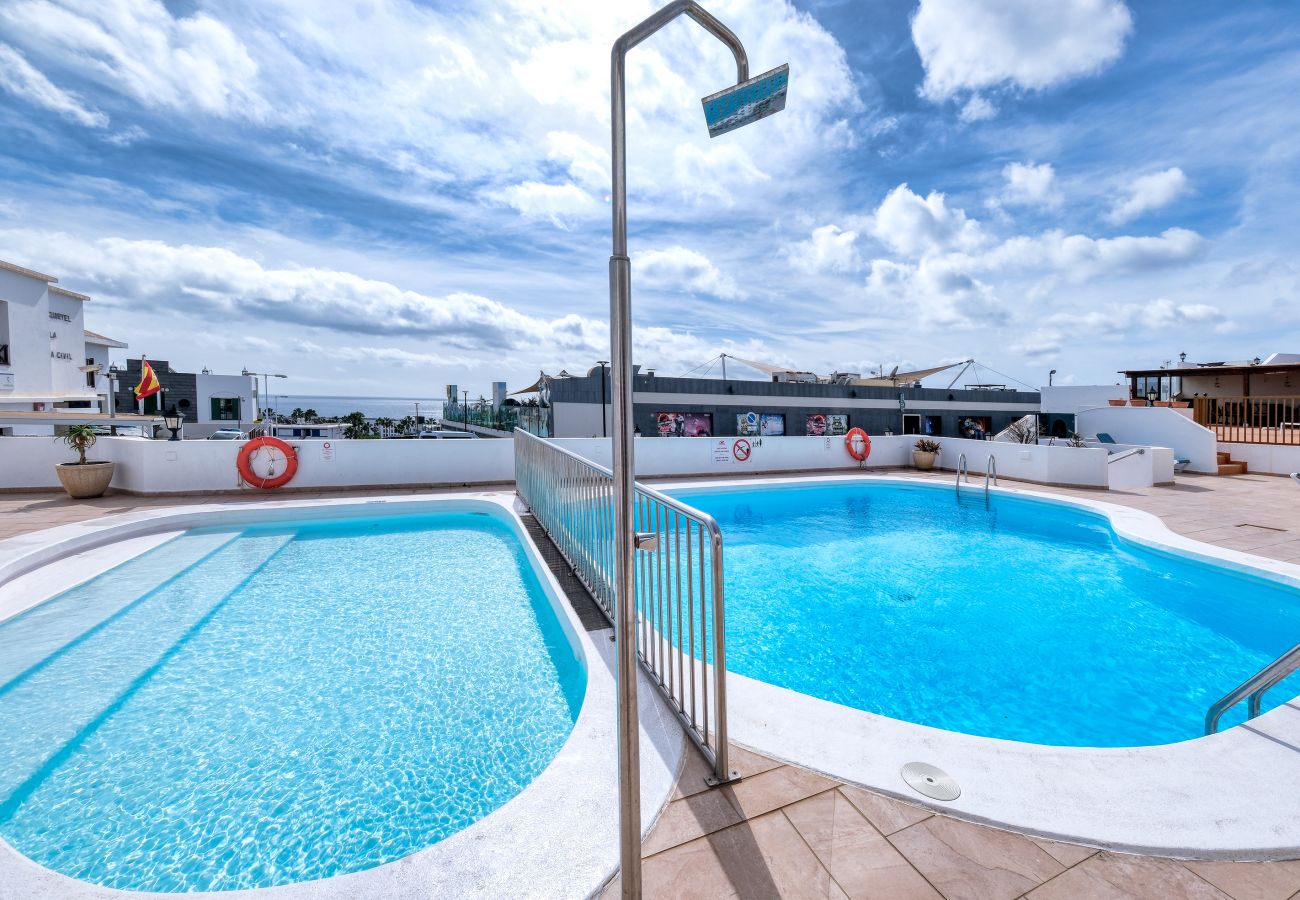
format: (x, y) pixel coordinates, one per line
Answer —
(681, 634)
(1250, 420)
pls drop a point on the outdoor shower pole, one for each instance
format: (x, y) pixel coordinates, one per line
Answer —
(620, 339)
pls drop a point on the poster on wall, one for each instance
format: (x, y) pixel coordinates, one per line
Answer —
(747, 424)
(818, 424)
(976, 427)
(676, 424)
(771, 424)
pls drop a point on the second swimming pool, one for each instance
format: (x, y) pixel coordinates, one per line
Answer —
(1023, 619)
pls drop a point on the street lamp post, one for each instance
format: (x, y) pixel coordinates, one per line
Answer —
(262, 396)
(737, 106)
(464, 408)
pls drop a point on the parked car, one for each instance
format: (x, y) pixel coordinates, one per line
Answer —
(228, 434)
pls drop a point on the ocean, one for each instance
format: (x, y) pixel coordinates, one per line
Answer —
(372, 407)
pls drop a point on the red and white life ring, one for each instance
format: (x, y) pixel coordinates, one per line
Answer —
(858, 443)
(271, 480)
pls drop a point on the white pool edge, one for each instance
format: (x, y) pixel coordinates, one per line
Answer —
(556, 838)
(1225, 796)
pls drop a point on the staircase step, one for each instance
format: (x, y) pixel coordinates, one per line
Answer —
(1222, 457)
(1232, 468)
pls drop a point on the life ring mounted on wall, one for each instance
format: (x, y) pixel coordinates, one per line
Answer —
(270, 480)
(858, 443)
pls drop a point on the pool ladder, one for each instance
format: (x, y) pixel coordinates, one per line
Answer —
(1254, 688)
(990, 473)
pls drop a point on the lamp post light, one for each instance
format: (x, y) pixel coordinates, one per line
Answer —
(464, 408)
(745, 102)
(1049, 377)
(172, 420)
(1152, 396)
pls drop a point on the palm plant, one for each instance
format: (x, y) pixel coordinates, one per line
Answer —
(80, 438)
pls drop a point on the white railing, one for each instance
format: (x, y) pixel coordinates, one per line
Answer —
(680, 637)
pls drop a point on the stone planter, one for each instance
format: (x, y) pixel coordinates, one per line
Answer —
(923, 459)
(84, 482)
(1118, 402)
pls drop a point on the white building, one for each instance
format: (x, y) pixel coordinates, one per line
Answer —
(49, 363)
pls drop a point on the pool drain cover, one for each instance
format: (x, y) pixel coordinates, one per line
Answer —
(931, 782)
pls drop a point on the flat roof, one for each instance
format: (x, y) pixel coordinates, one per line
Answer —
(55, 289)
(99, 339)
(30, 273)
(1227, 368)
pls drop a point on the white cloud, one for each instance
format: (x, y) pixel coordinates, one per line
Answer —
(977, 109)
(1030, 185)
(1114, 322)
(559, 203)
(977, 45)
(917, 226)
(20, 78)
(161, 61)
(1080, 258)
(829, 249)
(1149, 192)
(681, 269)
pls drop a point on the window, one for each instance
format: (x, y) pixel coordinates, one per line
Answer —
(225, 409)
(90, 376)
(4, 333)
(933, 425)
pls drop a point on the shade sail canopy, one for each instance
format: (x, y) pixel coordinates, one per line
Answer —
(897, 378)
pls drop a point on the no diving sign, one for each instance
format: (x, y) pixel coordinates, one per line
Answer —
(741, 449)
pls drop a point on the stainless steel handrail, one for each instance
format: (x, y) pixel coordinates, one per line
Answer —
(961, 467)
(990, 470)
(1254, 688)
(678, 568)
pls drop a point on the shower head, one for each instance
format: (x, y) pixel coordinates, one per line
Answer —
(746, 102)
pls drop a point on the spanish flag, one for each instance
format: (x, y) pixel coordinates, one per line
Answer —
(148, 385)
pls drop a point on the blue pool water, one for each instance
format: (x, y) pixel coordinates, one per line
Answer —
(245, 709)
(1024, 620)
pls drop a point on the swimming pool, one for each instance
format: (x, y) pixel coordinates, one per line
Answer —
(265, 705)
(1024, 619)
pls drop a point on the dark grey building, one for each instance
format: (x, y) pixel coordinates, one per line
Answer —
(578, 406)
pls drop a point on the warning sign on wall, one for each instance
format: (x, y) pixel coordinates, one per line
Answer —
(720, 452)
(327, 451)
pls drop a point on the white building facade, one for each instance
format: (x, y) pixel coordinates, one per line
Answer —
(48, 361)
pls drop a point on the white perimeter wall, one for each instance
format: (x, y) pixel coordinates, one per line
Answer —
(1266, 458)
(190, 466)
(1075, 397)
(1154, 426)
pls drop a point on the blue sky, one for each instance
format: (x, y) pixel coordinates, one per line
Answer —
(383, 197)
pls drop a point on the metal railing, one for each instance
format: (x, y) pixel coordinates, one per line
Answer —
(1250, 420)
(680, 637)
(1254, 688)
(990, 471)
(962, 469)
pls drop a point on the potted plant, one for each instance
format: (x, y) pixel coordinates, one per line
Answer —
(84, 478)
(925, 453)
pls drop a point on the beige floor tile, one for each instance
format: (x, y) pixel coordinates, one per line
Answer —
(1116, 876)
(886, 813)
(775, 788)
(972, 862)
(863, 863)
(1066, 854)
(689, 818)
(1251, 881)
(745, 762)
(762, 859)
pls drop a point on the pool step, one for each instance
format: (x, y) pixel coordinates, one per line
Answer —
(95, 672)
(47, 628)
(1227, 465)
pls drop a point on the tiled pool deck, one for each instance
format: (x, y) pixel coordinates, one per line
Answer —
(784, 831)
